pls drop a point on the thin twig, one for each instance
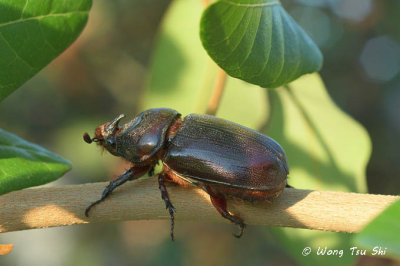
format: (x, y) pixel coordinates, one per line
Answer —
(206, 3)
(219, 85)
(217, 92)
(140, 200)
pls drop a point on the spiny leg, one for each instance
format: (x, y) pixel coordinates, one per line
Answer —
(168, 204)
(151, 171)
(219, 203)
(130, 174)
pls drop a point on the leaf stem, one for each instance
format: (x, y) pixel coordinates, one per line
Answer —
(206, 3)
(217, 92)
(219, 86)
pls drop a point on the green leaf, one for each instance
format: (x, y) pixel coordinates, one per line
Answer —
(326, 148)
(32, 33)
(24, 164)
(382, 233)
(258, 42)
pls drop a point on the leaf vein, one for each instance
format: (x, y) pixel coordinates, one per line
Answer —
(228, 36)
(45, 39)
(281, 29)
(239, 38)
(23, 9)
(252, 5)
(270, 48)
(300, 51)
(16, 54)
(42, 17)
(253, 43)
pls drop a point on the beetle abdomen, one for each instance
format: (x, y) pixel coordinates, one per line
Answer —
(213, 150)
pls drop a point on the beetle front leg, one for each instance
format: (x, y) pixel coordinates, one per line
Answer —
(219, 202)
(168, 204)
(130, 174)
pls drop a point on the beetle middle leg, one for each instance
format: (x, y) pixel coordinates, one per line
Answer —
(168, 204)
(130, 174)
(219, 202)
(151, 171)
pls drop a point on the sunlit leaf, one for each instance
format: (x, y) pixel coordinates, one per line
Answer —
(32, 33)
(257, 41)
(24, 164)
(326, 150)
(383, 233)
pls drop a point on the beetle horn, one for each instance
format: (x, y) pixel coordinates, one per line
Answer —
(112, 127)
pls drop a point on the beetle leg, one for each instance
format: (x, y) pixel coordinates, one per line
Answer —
(219, 203)
(289, 186)
(168, 204)
(130, 174)
(151, 171)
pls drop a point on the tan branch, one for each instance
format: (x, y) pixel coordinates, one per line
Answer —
(140, 200)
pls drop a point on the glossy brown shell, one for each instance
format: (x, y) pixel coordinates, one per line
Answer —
(216, 151)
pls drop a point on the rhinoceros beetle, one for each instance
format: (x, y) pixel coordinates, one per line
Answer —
(221, 157)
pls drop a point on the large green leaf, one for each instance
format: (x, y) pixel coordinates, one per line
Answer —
(326, 150)
(23, 164)
(257, 41)
(32, 33)
(383, 233)
(325, 147)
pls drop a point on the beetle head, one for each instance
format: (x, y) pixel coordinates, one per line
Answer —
(105, 135)
(139, 139)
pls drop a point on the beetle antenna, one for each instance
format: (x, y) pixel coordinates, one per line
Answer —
(89, 140)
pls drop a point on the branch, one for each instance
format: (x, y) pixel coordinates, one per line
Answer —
(140, 200)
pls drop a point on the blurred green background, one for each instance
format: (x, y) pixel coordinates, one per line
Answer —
(105, 72)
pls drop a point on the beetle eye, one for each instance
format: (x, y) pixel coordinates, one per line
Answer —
(111, 142)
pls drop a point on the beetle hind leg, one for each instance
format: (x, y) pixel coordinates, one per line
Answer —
(168, 204)
(219, 202)
(288, 186)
